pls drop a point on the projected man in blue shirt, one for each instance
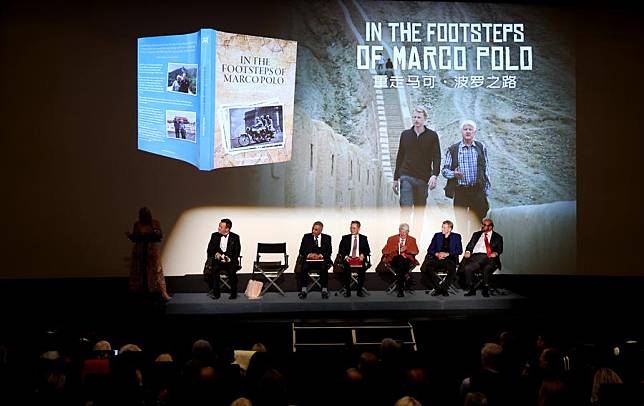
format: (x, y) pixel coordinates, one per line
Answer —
(466, 166)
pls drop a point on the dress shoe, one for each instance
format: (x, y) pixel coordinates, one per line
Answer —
(325, 294)
(445, 292)
(401, 293)
(436, 292)
(360, 292)
(302, 295)
(471, 292)
(485, 292)
(233, 296)
(347, 293)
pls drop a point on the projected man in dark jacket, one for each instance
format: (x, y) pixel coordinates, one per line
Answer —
(418, 165)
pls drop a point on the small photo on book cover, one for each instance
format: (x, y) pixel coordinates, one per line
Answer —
(182, 78)
(253, 127)
(181, 125)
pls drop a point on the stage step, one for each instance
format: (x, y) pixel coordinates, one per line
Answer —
(316, 335)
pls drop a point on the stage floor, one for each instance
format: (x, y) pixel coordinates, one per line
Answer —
(375, 302)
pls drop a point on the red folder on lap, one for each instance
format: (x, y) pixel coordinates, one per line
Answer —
(355, 262)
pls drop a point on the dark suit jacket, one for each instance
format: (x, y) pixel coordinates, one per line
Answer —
(307, 246)
(496, 243)
(347, 240)
(419, 157)
(233, 249)
(455, 245)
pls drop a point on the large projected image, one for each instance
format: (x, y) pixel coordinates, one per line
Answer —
(416, 112)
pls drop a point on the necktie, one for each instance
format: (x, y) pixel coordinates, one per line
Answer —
(316, 241)
(355, 247)
(487, 245)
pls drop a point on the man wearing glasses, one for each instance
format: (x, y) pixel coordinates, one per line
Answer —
(483, 253)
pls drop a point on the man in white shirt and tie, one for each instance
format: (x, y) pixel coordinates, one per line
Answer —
(223, 253)
(483, 253)
(352, 246)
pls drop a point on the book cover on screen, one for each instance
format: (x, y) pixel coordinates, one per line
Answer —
(216, 99)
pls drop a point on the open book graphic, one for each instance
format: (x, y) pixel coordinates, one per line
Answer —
(216, 99)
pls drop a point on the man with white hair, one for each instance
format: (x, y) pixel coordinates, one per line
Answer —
(468, 178)
(418, 165)
(400, 254)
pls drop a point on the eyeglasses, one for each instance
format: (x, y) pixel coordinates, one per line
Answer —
(487, 225)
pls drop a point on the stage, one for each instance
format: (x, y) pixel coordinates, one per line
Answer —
(377, 303)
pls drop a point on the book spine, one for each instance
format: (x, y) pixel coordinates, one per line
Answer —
(207, 39)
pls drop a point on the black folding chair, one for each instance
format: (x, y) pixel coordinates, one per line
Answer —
(271, 270)
(314, 277)
(394, 285)
(354, 278)
(223, 277)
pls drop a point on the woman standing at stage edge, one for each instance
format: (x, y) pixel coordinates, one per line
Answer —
(146, 273)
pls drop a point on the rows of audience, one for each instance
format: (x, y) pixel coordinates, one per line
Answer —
(509, 373)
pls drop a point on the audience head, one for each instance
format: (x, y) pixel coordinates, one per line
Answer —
(102, 346)
(271, 389)
(102, 349)
(367, 362)
(507, 340)
(353, 375)
(389, 349)
(201, 349)
(491, 354)
(603, 376)
(551, 363)
(407, 401)
(241, 402)
(128, 348)
(259, 363)
(475, 399)
(553, 393)
(164, 358)
(206, 374)
(259, 347)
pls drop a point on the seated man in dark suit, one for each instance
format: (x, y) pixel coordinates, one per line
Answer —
(223, 253)
(483, 253)
(442, 254)
(315, 249)
(352, 246)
